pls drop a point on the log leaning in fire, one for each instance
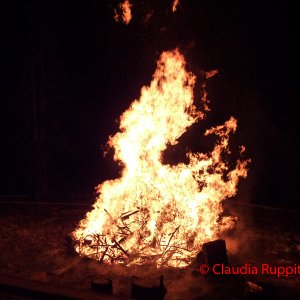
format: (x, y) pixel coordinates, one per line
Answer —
(109, 215)
(126, 215)
(103, 255)
(121, 248)
(172, 235)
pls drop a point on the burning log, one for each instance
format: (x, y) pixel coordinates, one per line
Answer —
(148, 290)
(128, 214)
(120, 247)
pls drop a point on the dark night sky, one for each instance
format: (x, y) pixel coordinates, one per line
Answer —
(84, 69)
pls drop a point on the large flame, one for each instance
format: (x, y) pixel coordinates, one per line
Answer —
(155, 212)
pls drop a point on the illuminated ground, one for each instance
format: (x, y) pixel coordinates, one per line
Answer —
(33, 245)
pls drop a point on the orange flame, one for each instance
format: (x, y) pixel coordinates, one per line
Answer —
(156, 212)
(125, 9)
(175, 4)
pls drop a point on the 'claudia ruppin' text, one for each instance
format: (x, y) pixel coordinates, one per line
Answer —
(263, 269)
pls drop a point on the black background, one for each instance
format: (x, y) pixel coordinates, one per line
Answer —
(80, 69)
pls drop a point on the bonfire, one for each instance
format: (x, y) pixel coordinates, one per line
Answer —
(159, 213)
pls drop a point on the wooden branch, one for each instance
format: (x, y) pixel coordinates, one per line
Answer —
(121, 248)
(171, 238)
(109, 215)
(126, 215)
(124, 228)
(181, 248)
(104, 253)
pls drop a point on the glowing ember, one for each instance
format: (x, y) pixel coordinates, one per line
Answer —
(125, 12)
(175, 4)
(159, 213)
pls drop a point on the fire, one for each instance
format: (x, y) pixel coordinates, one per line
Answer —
(125, 9)
(160, 213)
(175, 4)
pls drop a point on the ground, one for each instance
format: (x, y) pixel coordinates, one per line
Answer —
(33, 245)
